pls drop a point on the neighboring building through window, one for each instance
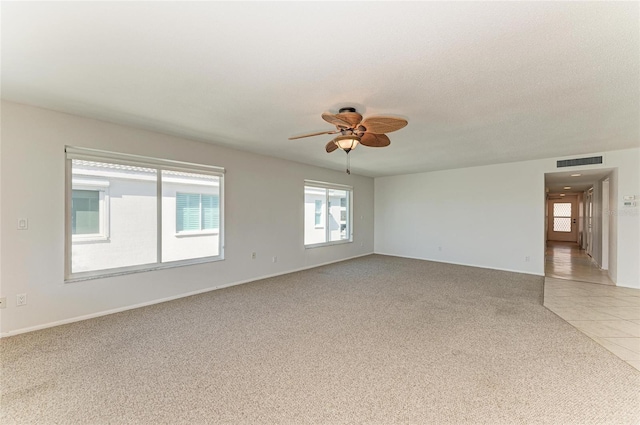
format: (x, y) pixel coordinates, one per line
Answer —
(89, 208)
(327, 213)
(85, 215)
(197, 212)
(129, 213)
(318, 214)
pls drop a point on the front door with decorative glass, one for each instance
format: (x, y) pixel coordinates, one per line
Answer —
(562, 225)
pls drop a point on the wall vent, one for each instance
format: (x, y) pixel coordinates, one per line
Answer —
(579, 161)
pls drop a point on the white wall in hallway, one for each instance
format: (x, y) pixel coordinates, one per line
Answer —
(493, 216)
(263, 213)
(613, 227)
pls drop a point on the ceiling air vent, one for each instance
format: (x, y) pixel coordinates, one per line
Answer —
(580, 161)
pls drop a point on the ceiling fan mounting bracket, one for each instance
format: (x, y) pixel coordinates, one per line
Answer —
(346, 109)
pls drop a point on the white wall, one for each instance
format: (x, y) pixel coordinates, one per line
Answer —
(613, 226)
(493, 216)
(477, 216)
(33, 180)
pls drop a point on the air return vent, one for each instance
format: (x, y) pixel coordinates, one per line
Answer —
(580, 161)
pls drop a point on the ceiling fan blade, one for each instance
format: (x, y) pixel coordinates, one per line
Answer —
(313, 134)
(335, 120)
(331, 146)
(353, 118)
(381, 124)
(375, 140)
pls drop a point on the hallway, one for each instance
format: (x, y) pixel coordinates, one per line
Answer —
(565, 260)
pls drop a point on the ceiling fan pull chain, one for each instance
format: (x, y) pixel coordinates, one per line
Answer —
(348, 163)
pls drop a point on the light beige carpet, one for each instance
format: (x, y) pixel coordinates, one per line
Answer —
(378, 340)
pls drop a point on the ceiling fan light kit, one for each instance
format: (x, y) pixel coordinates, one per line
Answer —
(354, 130)
(347, 143)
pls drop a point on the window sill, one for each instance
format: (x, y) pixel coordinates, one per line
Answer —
(197, 233)
(89, 239)
(318, 245)
(99, 274)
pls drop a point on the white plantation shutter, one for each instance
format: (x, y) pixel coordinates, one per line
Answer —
(210, 212)
(187, 212)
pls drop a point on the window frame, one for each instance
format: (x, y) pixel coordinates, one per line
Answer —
(88, 154)
(326, 213)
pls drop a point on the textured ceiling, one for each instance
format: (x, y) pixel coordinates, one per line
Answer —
(480, 83)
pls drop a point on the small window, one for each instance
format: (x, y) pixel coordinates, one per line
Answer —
(85, 212)
(89, 208)
(327, 214)
(196, 212)
(562, 217)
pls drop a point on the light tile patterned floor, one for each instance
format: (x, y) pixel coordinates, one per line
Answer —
(577, 290)
(607, 314)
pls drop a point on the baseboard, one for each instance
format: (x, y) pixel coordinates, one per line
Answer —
(460, 264)
(162, 300)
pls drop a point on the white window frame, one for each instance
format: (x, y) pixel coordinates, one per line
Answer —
(326, 215)
(159, 165)
(102, 187)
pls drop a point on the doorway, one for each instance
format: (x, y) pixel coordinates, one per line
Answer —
(577, 226)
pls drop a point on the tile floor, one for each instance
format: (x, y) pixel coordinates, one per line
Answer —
(565, 260)
(607, 314)
(583, 295)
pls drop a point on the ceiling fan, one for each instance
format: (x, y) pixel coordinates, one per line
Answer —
(353, 130)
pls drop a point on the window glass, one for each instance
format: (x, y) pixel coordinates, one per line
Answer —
(85, 212)
(191, 215)
(562, 217)
(337, 215)
(129, 213)
(132, 216)
(327, 214)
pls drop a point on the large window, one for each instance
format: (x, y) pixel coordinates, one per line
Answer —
(327, 214)
(128, 213)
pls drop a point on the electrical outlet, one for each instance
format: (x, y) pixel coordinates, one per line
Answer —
(3, 302)
(526, 259)
(21, 299)
(253, 255)
(23, 224)
(275, 259)
(439, 248)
